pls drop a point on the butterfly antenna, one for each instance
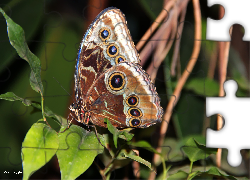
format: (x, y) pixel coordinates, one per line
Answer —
(63, 88)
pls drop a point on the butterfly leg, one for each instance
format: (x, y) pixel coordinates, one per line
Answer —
(72, 117)
(86, 120)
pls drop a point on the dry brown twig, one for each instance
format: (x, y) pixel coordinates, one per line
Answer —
(167, 32)
(162, 40)
(156, 38)
(167, 25)
(178, 42)
(156, 23)
(163, 46)
(181, 82)
(212, 63)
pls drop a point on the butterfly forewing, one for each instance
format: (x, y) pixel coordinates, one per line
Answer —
(109, 82)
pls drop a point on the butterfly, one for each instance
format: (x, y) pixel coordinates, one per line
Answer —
(109, 80)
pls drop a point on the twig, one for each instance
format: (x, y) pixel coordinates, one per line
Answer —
(136, 166)
(212, 63)
(178, 42)
(182, 80)
(100, 171)
(161, 51)
(161, 56)
(155, 24)
(157, 37)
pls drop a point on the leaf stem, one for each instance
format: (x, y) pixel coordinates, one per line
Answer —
(106, 170)
(164, 167)
(101, 171)
(108, 176)
(191, 166)
(42, 99)
(43, 113)
(169, 91)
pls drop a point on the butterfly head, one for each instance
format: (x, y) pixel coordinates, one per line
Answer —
(79, 111)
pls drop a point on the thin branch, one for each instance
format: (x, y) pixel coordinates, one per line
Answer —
(157, 37)
(167, 32)
(161, 55)
(182, 80)
(212, 63)
(136, 166)
(155, 24)
(165, 29)
(100, 171)
(178, 42)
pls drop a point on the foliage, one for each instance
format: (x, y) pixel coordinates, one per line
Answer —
(77, 148)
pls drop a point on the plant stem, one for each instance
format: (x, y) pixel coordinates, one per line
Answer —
(42, 99)
(42, 104)
(106, 170)
(169, 91)
(164, 168)
(191, 166)
(108, 176)
(101, 171)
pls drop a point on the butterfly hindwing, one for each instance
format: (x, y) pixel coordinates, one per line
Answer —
(109, 82)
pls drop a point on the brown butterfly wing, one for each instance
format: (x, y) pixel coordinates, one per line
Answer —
(93, 57)
(112, 102)
(107, 57)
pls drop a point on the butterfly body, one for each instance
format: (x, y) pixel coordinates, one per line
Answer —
(109, 81)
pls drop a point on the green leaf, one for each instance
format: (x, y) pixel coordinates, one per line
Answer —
(123, 134)
(200, 173)
(132, 155)
(10, 96)
(196, 151)
(216, 172)
(17, 40)
(113, 130)
(145, 145)
(203, 86)
(77, 151)
(15, 8)
(171, 150)
(179, 175)
(39, 146)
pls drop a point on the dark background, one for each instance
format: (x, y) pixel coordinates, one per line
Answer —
(53, 30)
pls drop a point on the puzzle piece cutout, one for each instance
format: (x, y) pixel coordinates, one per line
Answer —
(236, 114)
(235, 13)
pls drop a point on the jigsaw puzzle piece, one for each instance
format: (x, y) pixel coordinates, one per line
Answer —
(235, 13)
(235, 112)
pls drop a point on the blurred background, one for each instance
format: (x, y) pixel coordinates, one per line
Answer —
(54, 30)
